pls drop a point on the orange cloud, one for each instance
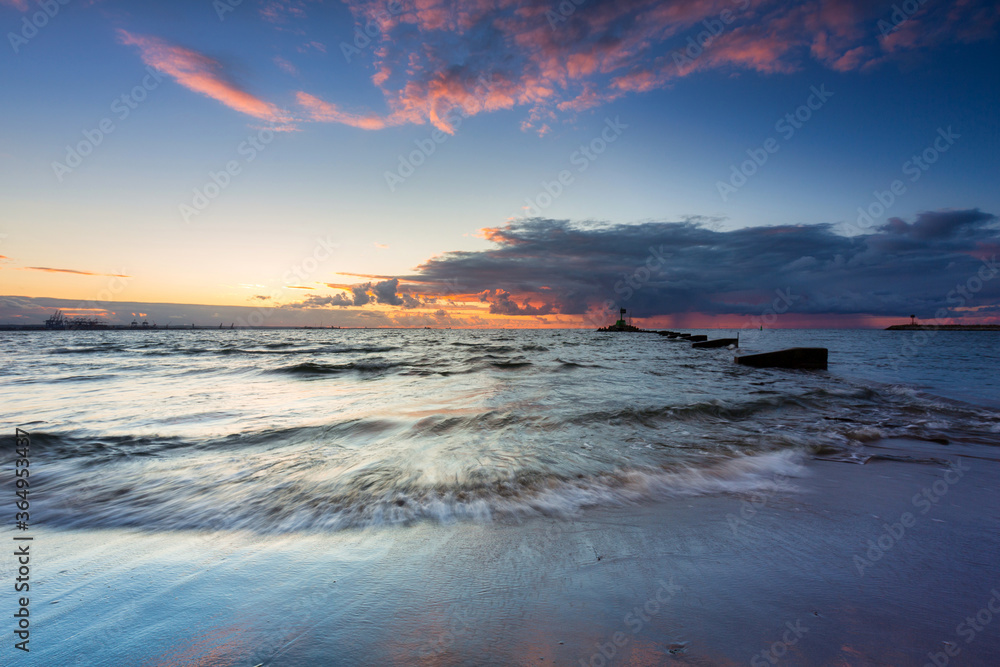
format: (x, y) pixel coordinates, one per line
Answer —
(201, 74)
(81, 273)
(324, 112)
(365, 275)
(442, 100)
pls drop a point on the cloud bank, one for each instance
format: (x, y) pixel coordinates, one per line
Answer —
(434, 59)
(542, 266)
(554, 272)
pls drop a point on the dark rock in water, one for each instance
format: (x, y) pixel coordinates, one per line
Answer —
(697, 339)
(718, 342)
(621, 326)
(810, 358)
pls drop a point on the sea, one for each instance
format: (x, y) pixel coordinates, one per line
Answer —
(306, 430)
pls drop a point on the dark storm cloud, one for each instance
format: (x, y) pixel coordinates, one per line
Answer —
(956, 226)
(360, 292)
(501, 304)
(317, 301)
(660, 268)
(385, 292)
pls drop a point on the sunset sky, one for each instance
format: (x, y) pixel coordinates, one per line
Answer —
(499, 162)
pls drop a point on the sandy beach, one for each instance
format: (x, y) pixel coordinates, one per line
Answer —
(787, 575)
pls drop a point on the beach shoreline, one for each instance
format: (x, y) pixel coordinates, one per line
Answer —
(702, 580)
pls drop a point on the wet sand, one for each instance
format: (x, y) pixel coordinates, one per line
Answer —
(777, 578)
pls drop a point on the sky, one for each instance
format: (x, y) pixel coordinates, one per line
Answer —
(515, 163)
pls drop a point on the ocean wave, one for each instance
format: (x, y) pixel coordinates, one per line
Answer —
(247, 499)
(313, 431)
(563, 365)
(318, 368)
(269, 349)
(716, 409)
(511, 365)
(93, 349)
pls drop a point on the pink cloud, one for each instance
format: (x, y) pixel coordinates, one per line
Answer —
(851, 60)
(286, 66)
(442, 101)
(318, 46)
(281, 11)
(324, 112)
(964, 21)
(201, 74)
(431, 57)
